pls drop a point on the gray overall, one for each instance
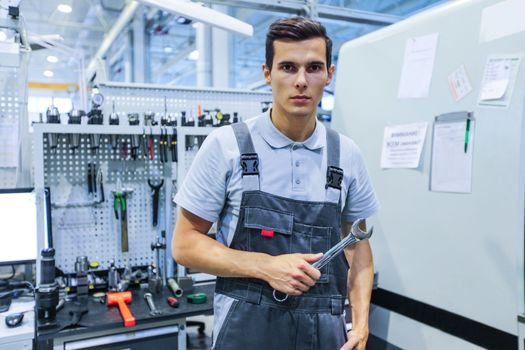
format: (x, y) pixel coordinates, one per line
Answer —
(276, 225)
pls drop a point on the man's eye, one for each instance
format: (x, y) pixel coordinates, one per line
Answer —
(315, 68)
(288, 67)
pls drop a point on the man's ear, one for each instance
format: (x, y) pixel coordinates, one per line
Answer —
(331, 70)
(267, 74)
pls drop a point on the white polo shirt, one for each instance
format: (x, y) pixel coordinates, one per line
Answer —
(212, 188)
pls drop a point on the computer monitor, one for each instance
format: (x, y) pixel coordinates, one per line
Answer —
(18, 228)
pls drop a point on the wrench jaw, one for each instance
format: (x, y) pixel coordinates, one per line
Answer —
(358, 233)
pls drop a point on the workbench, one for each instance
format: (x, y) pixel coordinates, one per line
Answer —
(103, 328)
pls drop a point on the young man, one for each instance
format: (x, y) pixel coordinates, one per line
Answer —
(269, 185)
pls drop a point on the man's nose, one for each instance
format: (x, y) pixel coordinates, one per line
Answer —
(300, 80)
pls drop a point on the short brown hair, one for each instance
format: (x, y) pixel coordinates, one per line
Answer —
(296, 29)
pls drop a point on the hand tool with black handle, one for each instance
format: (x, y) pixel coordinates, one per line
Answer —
(156, 195)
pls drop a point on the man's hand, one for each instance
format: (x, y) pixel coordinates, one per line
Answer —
(292, 273)
(356, 340)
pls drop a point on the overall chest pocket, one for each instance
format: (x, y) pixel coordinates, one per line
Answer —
(274, 233)
(269, 231)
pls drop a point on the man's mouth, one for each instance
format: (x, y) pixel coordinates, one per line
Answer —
(300, 98)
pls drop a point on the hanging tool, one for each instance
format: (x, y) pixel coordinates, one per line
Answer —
(163, 117)
(150, 144)
(94, 175)
(144, 144)
(53, 117)
(133, 119)
(149, 119)
(164, 145)
(75, 118)
(355, 235)
(119, 204)
(153, 309)
(156, 196)
(173, 146)
(95, 117)
(114, 120)
(121, 299)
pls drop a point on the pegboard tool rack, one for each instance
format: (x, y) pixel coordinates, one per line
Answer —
(50, 167)
(99, 240)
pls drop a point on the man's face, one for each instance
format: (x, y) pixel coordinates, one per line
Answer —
(298, 76)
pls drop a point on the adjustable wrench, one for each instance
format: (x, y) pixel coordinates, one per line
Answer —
(355, 235)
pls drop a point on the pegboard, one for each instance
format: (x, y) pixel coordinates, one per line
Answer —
(93, 230)
(12, 108)
(83, 228)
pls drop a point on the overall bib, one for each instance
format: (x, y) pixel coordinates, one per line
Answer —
(275, 225)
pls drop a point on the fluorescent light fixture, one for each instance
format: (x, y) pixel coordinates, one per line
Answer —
(49, 73)
(52, 59)
(203, 14)
(168, 49)
(194, 55)
(64, 8)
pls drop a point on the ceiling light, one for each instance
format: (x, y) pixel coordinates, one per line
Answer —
(168, 49)
(52, 59)
(194, 55)
(64, 8)
(49, 73)
(204, 14)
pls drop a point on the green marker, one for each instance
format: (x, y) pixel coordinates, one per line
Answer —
(467, 130)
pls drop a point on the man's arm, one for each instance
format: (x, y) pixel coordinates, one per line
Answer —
(360, 281)
(191, 247)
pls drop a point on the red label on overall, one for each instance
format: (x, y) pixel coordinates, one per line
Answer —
(267, 233)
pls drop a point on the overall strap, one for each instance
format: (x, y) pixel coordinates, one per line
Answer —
(249, 159)
(334, 174)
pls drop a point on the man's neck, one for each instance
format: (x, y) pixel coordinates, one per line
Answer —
(296, 128)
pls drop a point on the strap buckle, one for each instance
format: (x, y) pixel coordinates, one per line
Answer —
(334, 177)
(250, 164)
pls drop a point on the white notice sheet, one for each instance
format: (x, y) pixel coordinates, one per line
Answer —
(418, 64)
(459, 83)
(498, 80)
(452, 149)
(502, 19)
(402, 145)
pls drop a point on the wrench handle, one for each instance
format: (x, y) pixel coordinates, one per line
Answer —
(124, 233)
(155, 206)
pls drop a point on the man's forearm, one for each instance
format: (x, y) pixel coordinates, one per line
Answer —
(200, 252)
(360, 281)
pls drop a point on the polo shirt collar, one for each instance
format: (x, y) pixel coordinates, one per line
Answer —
(277, 139)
